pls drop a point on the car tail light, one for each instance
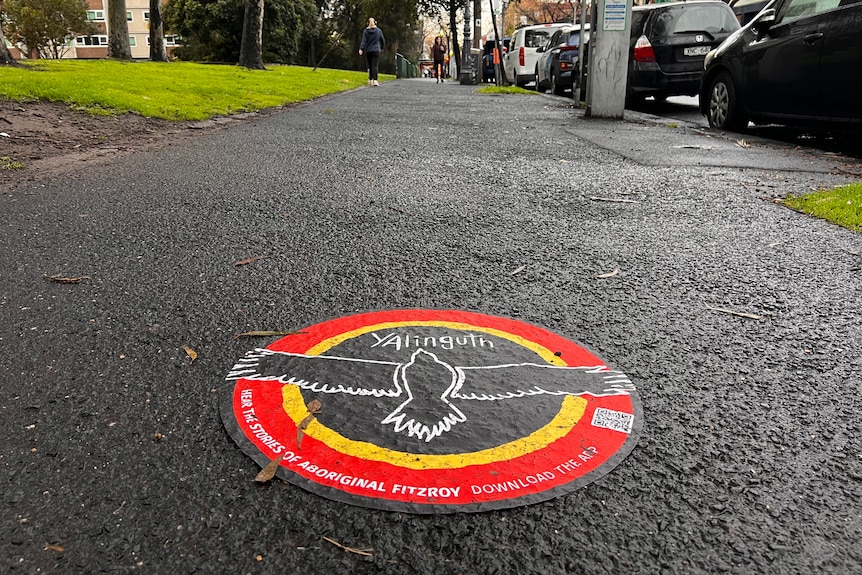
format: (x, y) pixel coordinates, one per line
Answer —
(644, 51)
(521, 56)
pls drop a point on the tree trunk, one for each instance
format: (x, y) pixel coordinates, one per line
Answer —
(456, 47)
(251, 49)
(158, 52)
(118, 31)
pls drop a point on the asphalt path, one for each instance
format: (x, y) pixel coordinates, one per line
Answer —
(413, 194)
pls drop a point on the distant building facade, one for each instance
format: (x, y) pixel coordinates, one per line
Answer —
(96, 45)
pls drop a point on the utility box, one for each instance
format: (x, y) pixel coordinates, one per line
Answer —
(608, 59)
(470, 67)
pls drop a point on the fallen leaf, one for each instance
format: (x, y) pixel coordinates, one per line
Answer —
(607, 275)
(737, 313)
(314, 406)
(365, 552)
(57, 548)
(249, 260)
(190, 352)
(68, 280)
(743, 144)
(266, 333)
(518, 270)
(267, 473)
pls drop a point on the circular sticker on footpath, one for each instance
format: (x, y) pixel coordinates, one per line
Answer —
(431, 411)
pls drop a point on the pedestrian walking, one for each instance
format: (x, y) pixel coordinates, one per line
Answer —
(438, 54)
(371, 46)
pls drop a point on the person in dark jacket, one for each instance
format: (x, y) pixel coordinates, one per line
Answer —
(438, 54)
(371, 46)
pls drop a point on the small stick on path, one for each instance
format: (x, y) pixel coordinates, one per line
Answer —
(365, 552)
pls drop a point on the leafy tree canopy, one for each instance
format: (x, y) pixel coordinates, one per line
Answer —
(212, 29)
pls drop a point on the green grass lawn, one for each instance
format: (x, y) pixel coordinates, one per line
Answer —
(175, 91)
(841, 206)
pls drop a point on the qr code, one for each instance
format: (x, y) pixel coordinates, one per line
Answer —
(616, 420)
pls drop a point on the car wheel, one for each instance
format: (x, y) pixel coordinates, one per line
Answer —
(538, 84)
(520, 81)
(723, 111)
(555, 86)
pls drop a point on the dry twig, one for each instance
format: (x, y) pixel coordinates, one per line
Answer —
(736, 313)
(617, 200)
(67, 280)
(365, 552)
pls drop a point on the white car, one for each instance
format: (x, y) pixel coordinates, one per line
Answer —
(519, 64)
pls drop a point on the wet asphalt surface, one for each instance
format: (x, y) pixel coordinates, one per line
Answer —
(115, 458)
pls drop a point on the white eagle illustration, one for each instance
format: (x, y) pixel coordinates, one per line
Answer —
(428, 385)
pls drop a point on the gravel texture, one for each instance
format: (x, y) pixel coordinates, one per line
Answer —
(415, 194)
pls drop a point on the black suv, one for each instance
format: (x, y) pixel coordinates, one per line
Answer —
(799, 62)
(668, 45)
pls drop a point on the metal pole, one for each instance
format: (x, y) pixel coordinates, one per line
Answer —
(576, 93)
(466, 56)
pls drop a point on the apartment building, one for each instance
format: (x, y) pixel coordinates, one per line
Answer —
(138, 18)
(96, 45)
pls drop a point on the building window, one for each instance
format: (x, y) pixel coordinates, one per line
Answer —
(132, 41)
(96, 15)
(169, 41)
(146, 15)
(129, 16)
(84, 41)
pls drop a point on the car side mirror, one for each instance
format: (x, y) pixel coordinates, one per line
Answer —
(763, 21)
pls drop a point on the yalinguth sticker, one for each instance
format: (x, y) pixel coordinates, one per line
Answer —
(431, 411)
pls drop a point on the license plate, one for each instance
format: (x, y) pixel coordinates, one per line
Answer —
(696, 51)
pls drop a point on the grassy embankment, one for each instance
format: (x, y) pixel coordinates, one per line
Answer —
(189, 91)
(176, 91)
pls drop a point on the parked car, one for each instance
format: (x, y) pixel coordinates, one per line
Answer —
(489, 72)
(798, 62)
(519, 63)
(558, 59)
(669, 43)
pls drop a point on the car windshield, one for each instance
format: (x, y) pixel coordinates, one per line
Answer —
(535, 38)
(684, 19)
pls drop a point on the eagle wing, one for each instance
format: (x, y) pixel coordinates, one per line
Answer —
(499, 382)
(320, 373)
